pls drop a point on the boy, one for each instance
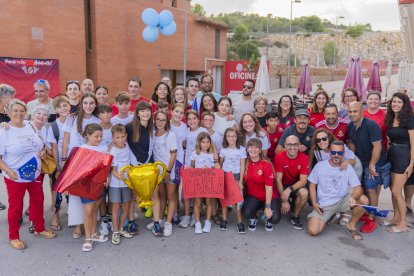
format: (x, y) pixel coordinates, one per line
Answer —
(123, 103)
(119, 193)
(164, 107)
(274, 133)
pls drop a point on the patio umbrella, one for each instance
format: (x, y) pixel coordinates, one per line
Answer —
(304, 86)
(402, 77)
(262, 81)
(374, 82)
(354, 77)
(388, 73)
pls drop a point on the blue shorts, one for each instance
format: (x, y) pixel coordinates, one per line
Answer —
(383, 178)
(88, 201)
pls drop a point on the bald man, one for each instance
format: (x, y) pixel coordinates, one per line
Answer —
(292, 169)
(366, 141)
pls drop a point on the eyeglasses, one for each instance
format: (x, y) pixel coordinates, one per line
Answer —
(348, 97)
(292, 145)
(318, 140)
(334, 152)
(72, 81)
(247, 87)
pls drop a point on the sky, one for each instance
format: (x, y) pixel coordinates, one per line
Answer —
(382, 14)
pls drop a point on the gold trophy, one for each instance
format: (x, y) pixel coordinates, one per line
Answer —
(143, 179)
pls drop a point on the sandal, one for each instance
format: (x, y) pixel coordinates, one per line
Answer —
(87, 245)
(100, 238)
(354, 234)
(76, 235)
(345, 218)
(17, 244)
(386, 223)
(55, 227)
(46, 234)
(394, 229)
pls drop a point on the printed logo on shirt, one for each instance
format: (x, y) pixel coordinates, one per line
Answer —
(286, 166)
(299, 167)
(308, 138)
(340, 133)
(280, 129)
(259, 172)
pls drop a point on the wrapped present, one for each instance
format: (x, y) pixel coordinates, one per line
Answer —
(84, 174)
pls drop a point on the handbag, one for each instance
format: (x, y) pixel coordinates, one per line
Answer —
(48, 162)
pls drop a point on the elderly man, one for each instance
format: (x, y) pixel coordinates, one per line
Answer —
(332, 122)
(245, 103)
(292, 169)
(300, 129)
(329, 192)
(366, 141)
(41, 91)
(87, 86)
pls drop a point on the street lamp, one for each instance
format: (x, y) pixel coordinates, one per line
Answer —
(290, 36)
(334, 51)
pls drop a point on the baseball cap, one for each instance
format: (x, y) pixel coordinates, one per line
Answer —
(302, 112)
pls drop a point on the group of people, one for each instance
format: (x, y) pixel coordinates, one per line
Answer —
(281, 159)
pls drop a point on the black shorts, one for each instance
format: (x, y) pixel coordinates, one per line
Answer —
(410, 180)
(399, 156)
(252, 205)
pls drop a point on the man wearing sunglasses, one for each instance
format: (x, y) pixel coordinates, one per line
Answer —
(329, 192)
(244, 103)
(365, 140)
(332, 122)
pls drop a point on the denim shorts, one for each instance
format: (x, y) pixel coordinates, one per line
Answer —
(88, 201)
(383, 177)
(399, 155)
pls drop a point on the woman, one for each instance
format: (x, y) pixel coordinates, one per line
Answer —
(208, 103)
(286, 112)
(375, 113)
(21, 149)
(102, 94)
(162, 93)
(400, 129)
(320, 100)
(259, 192)
(73, 129)
(221, 117)
(74, 95)
(250, 128)
(260, 107)
(140, 140)
(349, 95)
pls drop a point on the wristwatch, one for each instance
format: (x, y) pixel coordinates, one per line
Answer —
(291, 188)
(267, 206)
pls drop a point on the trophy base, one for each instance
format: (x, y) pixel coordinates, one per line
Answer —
(145, 204)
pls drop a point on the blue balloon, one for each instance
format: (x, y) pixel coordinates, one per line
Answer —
(150, 34)
(150, 17)
(169, 29)
(166, 17)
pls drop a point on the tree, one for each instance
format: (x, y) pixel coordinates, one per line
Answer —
(198, 10)
(313, 24)
(356, 30)
(240, 33)
(328, 53)
(246, 49)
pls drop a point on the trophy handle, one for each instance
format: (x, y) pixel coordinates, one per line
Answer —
(126, 180)
(164, 170)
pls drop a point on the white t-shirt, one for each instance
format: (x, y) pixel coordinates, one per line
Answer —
(202, 160)
(163, 145)
(123, 121)
(95, 148)
(18, 146)
(35, 102)
(232, 158)
(241, 106)
(221, 124)
(191, 143)
(332, 182)
(322, 155)
(217, 139)
(42, 133)
(76, 139)
(181, 136)
(122, 157)
(263, 138)
(106, 139)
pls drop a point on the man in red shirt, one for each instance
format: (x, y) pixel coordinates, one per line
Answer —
(292, 169)
(134, 90)
(332, 123)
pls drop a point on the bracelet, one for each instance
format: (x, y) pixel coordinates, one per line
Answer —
(63, 159)
(168, 171)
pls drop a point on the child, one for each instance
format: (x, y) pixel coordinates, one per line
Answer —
(105, 115)
(55, 138)
(165, 151)
(93, 134)
(178, 95)
(163, 107)
(223, 119)
(232, 159)
(123, 103)
(162, 93)
(119, 193)
(274, 133)
(202, 157)
(193, 122)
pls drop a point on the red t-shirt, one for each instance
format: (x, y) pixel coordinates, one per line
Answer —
(135, 102)
(258, 176)
(285, 122)
(315, 117)
(115, 110)
(274, 141)
(379, 118)
(339, 131)
(291, 168)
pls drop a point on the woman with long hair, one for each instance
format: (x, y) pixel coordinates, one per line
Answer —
(348, 96)
(286, 112)
(320, 100)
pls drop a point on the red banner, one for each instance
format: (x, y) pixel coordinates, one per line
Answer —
(402, 2)
(236, 72)
(232, 193)
(22, 73)
(200, 183)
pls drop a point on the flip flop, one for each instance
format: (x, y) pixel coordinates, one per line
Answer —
(394, 229)
(17, 244)
(386, 223)
(55, 227)
(354, 234)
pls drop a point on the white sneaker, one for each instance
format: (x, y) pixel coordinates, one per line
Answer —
(103, 229)
(198, 229)
(136, 216)
(184, 222)
(167, 229)
(125, 234)
(151, 224)
(207, 226)
(193, 221)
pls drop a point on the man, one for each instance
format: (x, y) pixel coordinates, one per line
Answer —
(167, 81)
(292, 169)
(245, 103)
(192, 86)
(300, 129)
(134, 90)
(41, 91)
(87, 86)
(332, 122)
(329, 192)
(366, 141)
(206, 85)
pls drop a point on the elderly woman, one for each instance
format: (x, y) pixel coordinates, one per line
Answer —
(20, 151)
(41, 91)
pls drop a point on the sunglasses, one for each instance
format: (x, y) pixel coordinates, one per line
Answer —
(41, 81)
(318, 140)
(334, 152)
(248, 87)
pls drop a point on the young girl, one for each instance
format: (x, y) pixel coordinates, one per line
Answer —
(102, 94)
(202, 157)
(232, 159)
(178, 95)
(207, 121)
(93, 134)
(260, 107)
(162, 93)
(193, 122)
(74, 95)
(221, 118)
(165, 151)
(250, 128)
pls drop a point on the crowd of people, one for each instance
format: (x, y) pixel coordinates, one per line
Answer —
(334, 159)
